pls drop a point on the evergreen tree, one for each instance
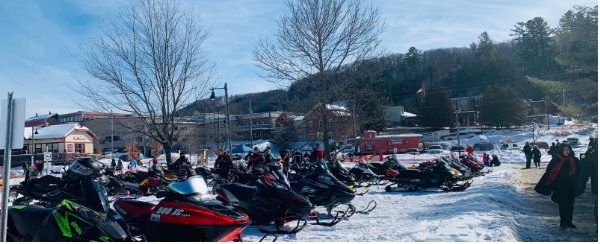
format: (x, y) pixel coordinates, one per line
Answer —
(436, 110)
(535, 45)
(502, 107)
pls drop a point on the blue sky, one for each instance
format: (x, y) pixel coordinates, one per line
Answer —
(39, 38)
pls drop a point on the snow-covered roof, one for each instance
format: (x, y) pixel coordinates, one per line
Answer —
(337, 110)
(56, 131)
(408, 115)
(39, 117)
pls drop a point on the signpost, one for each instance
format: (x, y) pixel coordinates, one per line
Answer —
(47, 161)
(12, 126)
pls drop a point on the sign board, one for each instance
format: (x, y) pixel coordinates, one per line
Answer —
(18, 123)
(395, 150)
(47, 166)
(70, 148)
(47, 156)
(78, 137)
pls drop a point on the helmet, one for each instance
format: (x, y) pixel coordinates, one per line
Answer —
(83, 167)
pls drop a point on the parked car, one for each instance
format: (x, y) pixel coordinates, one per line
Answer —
(542, 145)
(460, 148)
(463, 135)
(574, 142)
(412, 151)
(510, 146)
(435, 149)
(483, 146)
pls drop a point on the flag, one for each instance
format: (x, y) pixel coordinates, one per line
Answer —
(420, 90)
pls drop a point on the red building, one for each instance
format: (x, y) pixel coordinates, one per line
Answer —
(338, 121)
(371, 143)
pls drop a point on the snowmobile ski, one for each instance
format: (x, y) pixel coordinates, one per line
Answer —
(368, 208)
(278, 223)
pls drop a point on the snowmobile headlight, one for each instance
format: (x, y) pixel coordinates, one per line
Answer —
(84, 212)
(201, 198)
(325, 179)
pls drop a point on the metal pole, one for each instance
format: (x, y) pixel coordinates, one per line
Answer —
(7, 161)
(112, 134)
(32, 147)
(227, 120)
(251, 135)
(457, 130)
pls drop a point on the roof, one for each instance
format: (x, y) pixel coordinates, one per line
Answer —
(56, 131)
(337, 110)
(396, 136)
(407, 114)
(39, 117)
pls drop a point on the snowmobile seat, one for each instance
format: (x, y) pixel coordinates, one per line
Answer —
(27, 220)
(414, 174)
(133, 211)
(47, 183)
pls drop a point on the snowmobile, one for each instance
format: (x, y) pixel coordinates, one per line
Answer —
(322, 189)
(362, 173)
(428, 174)
(188, 212)
(267, 199)
(342, 174)
(455, 164)
(387, 169)
(84, 213)
(240, 173)
(476, 167)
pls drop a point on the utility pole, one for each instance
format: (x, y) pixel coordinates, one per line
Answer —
(251, 135)
(547, 115)
(354, 117)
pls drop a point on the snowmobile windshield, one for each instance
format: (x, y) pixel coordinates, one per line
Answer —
(91, 202)
(320, 167)
(340, 165)
(194, 185)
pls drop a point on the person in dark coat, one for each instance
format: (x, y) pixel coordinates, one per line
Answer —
(527, 151)
(589, 166)
(223, 165)
(537, 156)
(119, 167)
(560, 180)
(256, 160)
(113, 164)
(285, 160)
(317, 153)
(552, 150)
(495, 161)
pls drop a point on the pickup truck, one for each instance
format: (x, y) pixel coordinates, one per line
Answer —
(510, 146)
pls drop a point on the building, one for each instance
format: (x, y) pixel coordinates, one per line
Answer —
(396, 116)
(338, 121)
(81, 116)
(44, 119)
(468, 118)
(286, 121)
(65, 138)
(263, 125)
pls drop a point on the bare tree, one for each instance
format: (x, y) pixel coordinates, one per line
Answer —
(317, 40)
(149, 62)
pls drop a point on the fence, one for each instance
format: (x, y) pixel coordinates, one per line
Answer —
(57, 158)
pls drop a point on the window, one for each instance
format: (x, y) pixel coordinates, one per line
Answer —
(320, 124)
(369, 146)
(139, 139)
(310, 124)
(80, 148)
(330, 122)
(406, 142)
(389, 143)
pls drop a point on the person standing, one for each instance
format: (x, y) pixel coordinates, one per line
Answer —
(317, 153)
(297, 157)
(469, 150)
(590, 170)
(223, 165)
(133, 163)
(537, 156)
(484, 159)
(113, 165)
(381, 156)
(560, 180)
(256, 160)
(285, 160)
(552, 149)
(528, 153)
(119, 167)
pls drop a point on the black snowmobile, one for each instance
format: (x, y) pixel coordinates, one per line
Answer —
(387, 169)
(268, 199)
(343, 174)
(464, 170)
(428, 175)
(206, 173)
(84, 213)
(241, 174)
(362, 174)
(323, 189)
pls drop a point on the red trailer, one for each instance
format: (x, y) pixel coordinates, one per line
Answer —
(371, 143)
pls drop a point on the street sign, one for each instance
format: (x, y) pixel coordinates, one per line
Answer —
(47, 156)
(47, 166)
(18, 125)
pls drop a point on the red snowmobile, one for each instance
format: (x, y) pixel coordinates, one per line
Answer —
(187, 213)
